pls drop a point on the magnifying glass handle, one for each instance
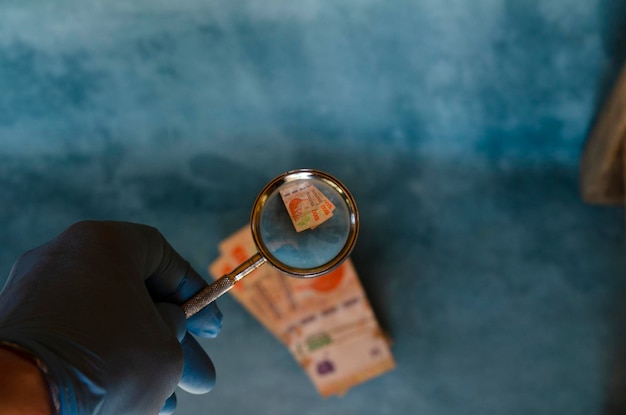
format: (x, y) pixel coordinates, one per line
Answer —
(210, 293)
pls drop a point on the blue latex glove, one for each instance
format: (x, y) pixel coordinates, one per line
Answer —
(97, 308)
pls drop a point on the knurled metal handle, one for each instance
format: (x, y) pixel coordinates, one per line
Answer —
(207, 295)
(213, 291)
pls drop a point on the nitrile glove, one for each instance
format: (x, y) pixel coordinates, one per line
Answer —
(98, 308)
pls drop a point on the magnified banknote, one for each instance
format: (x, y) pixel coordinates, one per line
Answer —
(307, 206)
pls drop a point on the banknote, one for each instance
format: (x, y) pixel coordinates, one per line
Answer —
(325, 322)
(335, 335)
(308, 207)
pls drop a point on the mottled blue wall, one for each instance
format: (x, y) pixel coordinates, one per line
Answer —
(458, 125)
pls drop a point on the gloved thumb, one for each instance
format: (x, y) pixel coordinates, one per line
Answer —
(174, 317)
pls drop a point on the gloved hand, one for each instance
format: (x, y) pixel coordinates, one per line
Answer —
(97, 308)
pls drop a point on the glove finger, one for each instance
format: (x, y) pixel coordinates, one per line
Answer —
(174, 280)
(174, 317)
(198, 370)
(169, 406)
(169, 276)
(207, 322)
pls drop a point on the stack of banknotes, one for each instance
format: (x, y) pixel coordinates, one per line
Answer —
(326, 322)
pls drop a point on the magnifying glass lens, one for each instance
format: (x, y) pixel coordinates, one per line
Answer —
(304, 224)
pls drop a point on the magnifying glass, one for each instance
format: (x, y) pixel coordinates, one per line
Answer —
(304, 223)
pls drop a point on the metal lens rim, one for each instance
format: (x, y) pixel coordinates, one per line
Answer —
(271, 187)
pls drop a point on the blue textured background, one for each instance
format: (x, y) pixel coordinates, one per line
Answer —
(458, 125)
